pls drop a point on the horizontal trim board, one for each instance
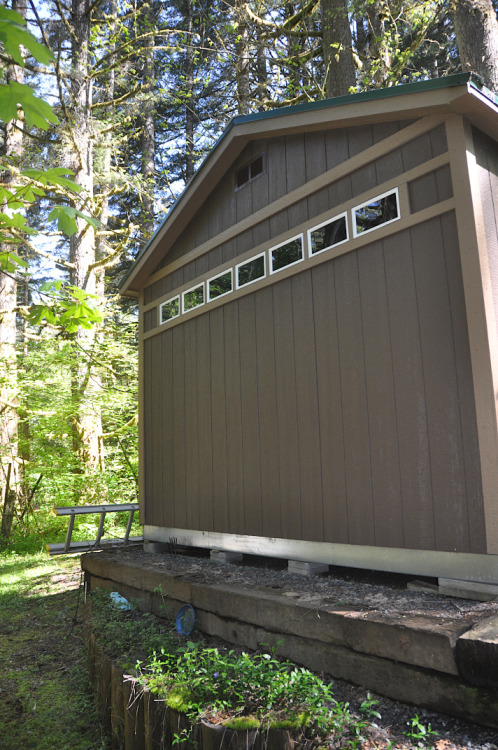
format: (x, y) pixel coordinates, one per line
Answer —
(464, 566)
(381, 148)
(343, 208)
(406, 222)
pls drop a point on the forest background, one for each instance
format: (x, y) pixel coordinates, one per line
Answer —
(106, 109)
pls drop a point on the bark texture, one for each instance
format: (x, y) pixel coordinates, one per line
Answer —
(340, 71)
(476, 28)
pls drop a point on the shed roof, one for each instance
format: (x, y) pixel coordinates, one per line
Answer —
(462, 94)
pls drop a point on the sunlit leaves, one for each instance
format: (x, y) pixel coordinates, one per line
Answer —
(14, 35)
(16, 95)
(65, 306)
(66, 219)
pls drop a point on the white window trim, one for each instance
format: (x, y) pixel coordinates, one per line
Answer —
(163, 304)
(193, 289)
(344, 216)
(244, 263)
(281, 244)
(367, 203)
(213, 278)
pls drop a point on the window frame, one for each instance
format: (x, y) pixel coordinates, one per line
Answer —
(248, 165)
(282, 244)
(343, 215)
(393, 191)
(167, 302)
(192, 289)
(213, 278)
(244, 263)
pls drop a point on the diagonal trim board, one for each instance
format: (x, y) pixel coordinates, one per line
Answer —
(413, 659)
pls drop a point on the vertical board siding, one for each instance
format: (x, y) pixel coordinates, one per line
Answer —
(329, 384)
(288, 439)
(218, 419)
(416, 490)
(271, 519)
(384, 448)
(468, 420)
(179, 453)
(192, 474)
(165, 436)
(310, 470)
(336, 404)
(250, 416)
(441, 392)
(204, 435)
(235, 479)
(354, 402)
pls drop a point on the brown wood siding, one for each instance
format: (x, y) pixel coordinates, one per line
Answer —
(334, 405)
(286, 169)
(290, 162)
(487, 166)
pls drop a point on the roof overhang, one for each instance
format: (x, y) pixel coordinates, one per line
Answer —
(461, 94)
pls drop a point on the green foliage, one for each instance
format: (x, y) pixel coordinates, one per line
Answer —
(14, 35)
(418, 731)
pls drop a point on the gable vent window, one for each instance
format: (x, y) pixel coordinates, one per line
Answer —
(169, 310)
(374, 213)
(286, 254)
(250, 171)
(330, 233)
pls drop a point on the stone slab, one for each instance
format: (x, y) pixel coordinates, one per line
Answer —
(480, 592)
(477, 653)
(307, 568)
(222, 556)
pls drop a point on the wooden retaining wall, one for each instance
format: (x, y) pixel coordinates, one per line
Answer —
(417, 660)
(135, 719)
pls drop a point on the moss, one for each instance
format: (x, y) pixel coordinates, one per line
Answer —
(242, 723)
(180, 699)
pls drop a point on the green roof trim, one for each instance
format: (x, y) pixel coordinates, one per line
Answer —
(458, 79)
(433, 84)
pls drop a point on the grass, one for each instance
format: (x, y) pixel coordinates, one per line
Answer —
(44, 700)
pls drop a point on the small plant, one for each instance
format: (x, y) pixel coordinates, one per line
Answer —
(418, 731)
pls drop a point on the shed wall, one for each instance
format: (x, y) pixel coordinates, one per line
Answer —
(335, 405)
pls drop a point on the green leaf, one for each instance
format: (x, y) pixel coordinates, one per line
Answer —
(37, 112)
(66, 219)
(54, 176)
(11, 262)
(14, 35)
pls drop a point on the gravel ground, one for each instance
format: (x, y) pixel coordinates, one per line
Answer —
(366, 591)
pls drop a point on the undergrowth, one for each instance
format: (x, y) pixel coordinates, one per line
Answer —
(225, 685)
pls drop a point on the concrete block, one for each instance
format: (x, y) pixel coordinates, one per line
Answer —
(153, 548)
(221, 556)
(307, 568)
(477, 653)
(424, 587)
(480, 592)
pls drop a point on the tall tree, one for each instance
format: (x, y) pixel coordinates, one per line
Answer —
(476, 28)
(9, 416)
(340, 71)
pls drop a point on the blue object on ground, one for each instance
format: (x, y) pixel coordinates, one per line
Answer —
(185, 620)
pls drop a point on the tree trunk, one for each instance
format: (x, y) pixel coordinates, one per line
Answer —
(9, 418)
(340, 72)
(476, 28)
(148, 143)
(379, 46)
(189, 91)
(242, 61)
(87, 423)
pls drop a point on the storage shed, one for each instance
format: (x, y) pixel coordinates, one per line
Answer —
(318, 337)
